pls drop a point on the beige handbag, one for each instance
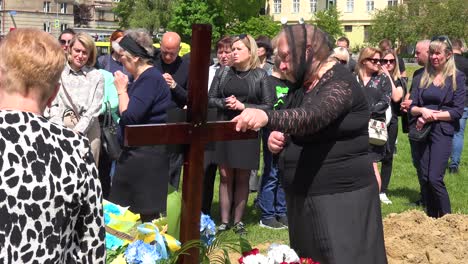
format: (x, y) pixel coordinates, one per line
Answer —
(378, 134)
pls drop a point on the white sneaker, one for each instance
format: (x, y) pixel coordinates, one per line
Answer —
(384, 199)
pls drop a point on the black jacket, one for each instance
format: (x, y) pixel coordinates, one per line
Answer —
(260, 96)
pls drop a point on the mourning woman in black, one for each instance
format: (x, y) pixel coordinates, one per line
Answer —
(332, 198)
(233, 89)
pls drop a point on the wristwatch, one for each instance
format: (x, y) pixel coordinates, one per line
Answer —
(173, 85)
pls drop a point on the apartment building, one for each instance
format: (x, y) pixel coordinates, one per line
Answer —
(55, 15)
(355, 14)
(49, 15)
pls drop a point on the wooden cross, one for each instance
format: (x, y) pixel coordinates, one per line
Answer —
(196, 132)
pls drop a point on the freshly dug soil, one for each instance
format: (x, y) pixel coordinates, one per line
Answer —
(413, 237)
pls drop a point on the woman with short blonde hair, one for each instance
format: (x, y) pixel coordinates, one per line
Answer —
(78, 104)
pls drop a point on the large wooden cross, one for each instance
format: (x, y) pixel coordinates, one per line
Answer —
(196, 132)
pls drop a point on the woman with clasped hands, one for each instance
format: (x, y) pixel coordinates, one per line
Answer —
(142, 173)
(438, 101)
(332, 197)
(233, 89)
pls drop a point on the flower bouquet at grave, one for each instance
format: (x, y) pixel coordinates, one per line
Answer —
(152, 245)
(277, 254)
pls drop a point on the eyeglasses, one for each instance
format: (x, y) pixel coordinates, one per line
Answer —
(65, 42)
(443, 39)
(374, 61)
(385, 61)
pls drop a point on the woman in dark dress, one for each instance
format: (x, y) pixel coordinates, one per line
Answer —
(378, 91)
(233, 89)
(390, 68)
(438, 101)
(142, 173)
(333, 210)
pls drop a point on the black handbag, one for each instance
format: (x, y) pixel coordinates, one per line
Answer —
(419, 135)
(423, 134)
(110, 141)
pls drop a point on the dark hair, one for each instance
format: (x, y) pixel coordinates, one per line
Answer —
(457, 43)
(385, 44)
(224, 42)
(67, 31)
(265, 42)
(345, 39)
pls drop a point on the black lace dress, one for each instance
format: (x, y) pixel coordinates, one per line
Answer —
(332, 196)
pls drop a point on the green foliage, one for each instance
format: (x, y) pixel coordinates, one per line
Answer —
(186, 13)
(328, 21)
(420, 19)
(393, 23)
(149, 14)
(256, 26)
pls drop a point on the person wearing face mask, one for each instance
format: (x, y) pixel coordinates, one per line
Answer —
(78, 103)
(333, 211)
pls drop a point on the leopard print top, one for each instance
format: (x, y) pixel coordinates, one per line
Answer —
(50, 194)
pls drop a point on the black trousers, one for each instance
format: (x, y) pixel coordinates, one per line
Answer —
(433, 157)
(387, 161)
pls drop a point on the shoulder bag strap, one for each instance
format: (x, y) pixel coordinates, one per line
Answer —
(75, 109)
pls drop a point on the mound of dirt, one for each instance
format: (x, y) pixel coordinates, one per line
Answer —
(413, 237)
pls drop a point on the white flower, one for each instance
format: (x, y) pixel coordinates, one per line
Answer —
(281, 253)
(255, 259)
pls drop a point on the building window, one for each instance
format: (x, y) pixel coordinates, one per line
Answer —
(370, 5)
(101, 14)
(348, 28)
(313, 6)
(392, 2)
(349, 6)
(1, 4)
(46, 7)
(63, 27)
(366, 33)
(47, 26)
(331, 3)
(63, 8)
(277, 6)
(296, 6)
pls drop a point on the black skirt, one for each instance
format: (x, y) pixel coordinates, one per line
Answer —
(141, 179)
(337, 228)
(239, 154)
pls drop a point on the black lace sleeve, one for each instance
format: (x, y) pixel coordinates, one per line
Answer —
(319, 108)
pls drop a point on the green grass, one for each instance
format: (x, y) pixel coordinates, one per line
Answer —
(403, 189)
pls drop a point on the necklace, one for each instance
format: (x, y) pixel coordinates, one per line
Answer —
(242, 77)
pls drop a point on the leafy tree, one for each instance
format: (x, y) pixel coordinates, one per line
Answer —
(186, 13)
(328, 21)
(256, 26)
(149, 14)
(393, 23)
(420, 19)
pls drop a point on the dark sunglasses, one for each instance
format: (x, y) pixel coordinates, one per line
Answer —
(374, 61)
(443, 39)
(242, 36)
(342, 61)
(65, 42)
(385, 61)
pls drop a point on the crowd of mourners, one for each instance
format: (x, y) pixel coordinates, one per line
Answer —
(325, 122)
